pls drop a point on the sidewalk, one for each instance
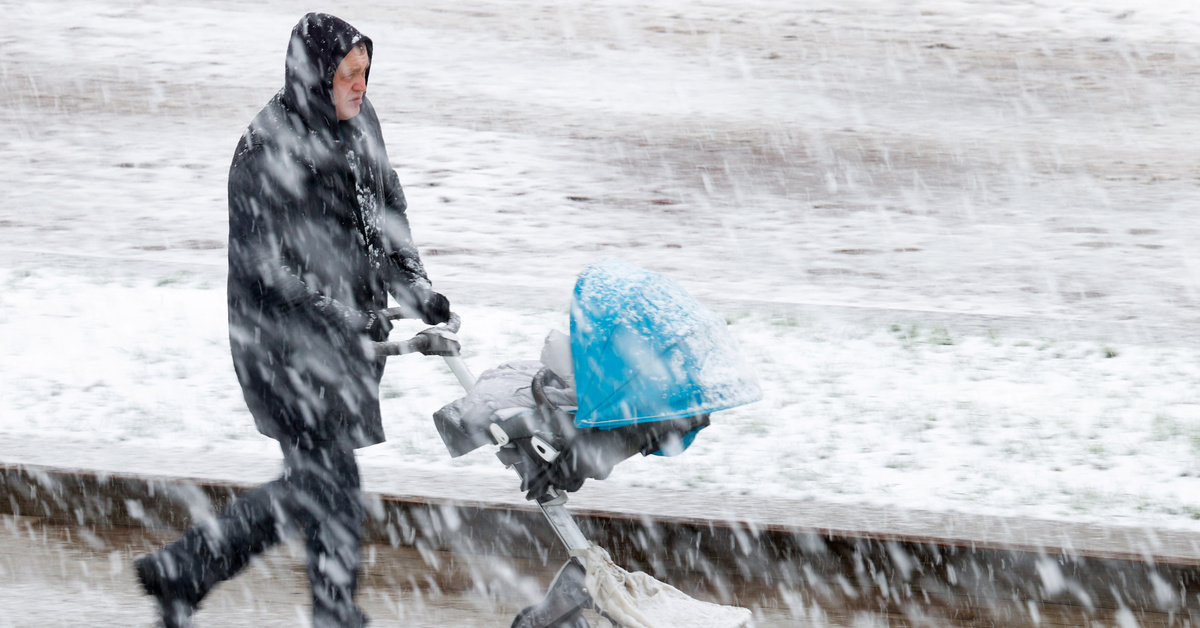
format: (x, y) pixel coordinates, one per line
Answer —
(730, 547)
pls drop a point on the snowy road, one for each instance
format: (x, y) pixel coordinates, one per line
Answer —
(970, 155)
(985, 157)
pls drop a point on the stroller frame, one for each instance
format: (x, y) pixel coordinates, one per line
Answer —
(567, 595)
(539, 448)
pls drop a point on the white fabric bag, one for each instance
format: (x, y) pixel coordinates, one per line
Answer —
(638, 600)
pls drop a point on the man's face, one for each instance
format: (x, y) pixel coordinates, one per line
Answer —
(350, 83)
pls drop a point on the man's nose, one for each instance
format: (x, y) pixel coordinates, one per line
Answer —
(359, 86)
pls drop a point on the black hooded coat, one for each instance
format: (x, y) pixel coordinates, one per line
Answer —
(318, 238)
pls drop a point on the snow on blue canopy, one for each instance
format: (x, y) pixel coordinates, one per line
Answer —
(645, 350)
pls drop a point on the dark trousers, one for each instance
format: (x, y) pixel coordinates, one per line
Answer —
(318, 495)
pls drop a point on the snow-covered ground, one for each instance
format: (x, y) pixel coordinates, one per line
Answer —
(957, 238)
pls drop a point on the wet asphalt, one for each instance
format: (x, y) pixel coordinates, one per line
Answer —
(54, 575)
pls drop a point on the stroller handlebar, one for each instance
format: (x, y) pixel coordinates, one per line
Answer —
(436, 340)
(399, 313)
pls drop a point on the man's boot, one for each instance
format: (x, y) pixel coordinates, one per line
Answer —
(163, 577)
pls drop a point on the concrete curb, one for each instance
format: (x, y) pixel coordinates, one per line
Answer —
(733, 561)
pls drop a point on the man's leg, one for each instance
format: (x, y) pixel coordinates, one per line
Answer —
(328, 505)
(319, 493)
(182, 573)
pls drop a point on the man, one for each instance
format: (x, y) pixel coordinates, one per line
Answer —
(318, 238)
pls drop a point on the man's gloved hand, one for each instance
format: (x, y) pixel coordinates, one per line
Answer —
(377, 325)
(434, 308)
(353, 321)
(439, 341)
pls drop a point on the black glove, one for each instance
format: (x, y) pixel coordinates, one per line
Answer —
(352, 321)
(377, 325)
(434, 308)
(439, 341)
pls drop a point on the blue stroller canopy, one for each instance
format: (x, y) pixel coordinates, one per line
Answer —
(645, 350)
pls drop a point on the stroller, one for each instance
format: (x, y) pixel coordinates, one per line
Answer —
(642, 371)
